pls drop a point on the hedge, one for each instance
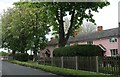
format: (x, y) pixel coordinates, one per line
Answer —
(21, 56)
(78, 50)
(3, 53)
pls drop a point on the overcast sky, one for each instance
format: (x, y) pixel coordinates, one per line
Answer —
(107, 17)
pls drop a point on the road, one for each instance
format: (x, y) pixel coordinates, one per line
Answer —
(14, 70)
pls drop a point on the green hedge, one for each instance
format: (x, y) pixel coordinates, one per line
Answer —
(78, 50)
(3, 53)
(21, 56)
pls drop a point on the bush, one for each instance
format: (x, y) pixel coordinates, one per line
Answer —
(78, 50)
(30, 57)
(3, 53)
(21, 56)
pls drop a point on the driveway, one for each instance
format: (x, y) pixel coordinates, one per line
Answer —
(14, 70)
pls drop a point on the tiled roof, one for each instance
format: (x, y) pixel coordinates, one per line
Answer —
(91, 36)
(96, 35)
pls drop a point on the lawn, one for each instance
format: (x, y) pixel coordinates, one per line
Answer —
(62, 71)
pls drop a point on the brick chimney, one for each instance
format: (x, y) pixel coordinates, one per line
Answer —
(76, 33)
(99, 28)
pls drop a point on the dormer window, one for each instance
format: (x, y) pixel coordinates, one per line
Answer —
(112, 40)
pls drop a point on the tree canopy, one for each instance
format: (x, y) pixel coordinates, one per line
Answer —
(24, 29)
(78, 11)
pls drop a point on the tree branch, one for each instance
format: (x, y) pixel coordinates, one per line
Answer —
(57, 16)
(71, 25)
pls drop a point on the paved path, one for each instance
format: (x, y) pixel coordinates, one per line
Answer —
(14, 70)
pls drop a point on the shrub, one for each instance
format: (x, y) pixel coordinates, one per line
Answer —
(30, 57)
(10, 54)
(78, 50)
(3, 53)
(21, 56)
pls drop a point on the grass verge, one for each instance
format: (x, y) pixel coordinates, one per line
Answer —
(61, 71)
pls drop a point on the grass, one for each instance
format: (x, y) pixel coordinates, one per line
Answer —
(61, 71)
(114, 70)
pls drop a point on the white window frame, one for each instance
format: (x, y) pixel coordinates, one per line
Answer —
(114, 52)
(113, 40)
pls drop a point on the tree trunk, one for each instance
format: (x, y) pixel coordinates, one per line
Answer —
(13, 53)
(62, 40)
(35, 56)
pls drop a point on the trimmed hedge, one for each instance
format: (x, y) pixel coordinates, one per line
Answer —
(78, 50)
(21, 56)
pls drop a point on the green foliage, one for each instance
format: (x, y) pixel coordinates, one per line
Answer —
(21, 56)
(78, 50)
(11, 55)
(56, 11)
(3, 53)
(24, 28)
(78, 12)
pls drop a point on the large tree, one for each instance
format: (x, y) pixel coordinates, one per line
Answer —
(8, 40)
(78, 11)
(26, 27)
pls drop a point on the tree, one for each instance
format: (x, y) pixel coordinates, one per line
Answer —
(8, 40)
(27, 29)
(0, 33)
(88, 27)
(78, 11)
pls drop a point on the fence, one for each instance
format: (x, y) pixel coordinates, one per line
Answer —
(6, 58)
(108, 65)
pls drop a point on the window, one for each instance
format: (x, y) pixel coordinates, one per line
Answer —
(89, 42)
(114, 52)
(112, 40)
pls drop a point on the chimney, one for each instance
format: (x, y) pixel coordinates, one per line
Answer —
(99, 28)
(76, 33)
(119, 24)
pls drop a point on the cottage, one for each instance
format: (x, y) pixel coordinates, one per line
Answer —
(108, 40)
